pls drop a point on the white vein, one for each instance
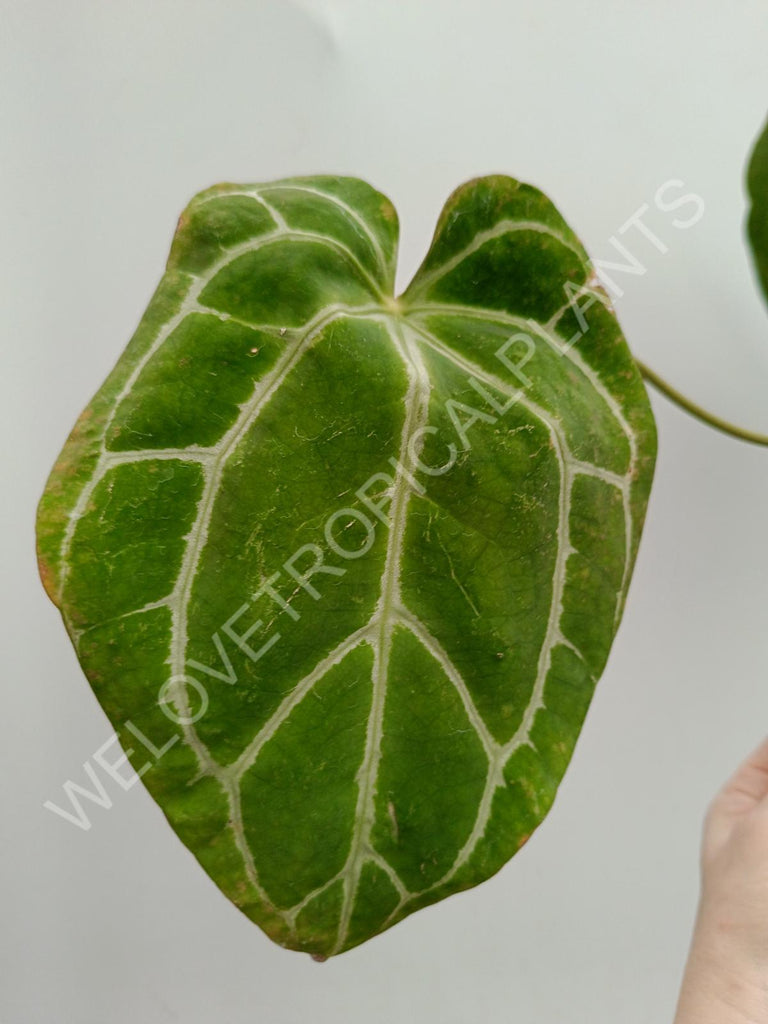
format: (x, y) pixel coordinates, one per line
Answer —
(503, 227)
(571, 353)
(239, 767)
(347, 209)
(150, 606)
(593, 290)
(569, 467)
(416, 415)
(195, 544)
(497, 754)
(433, 646)
(259, 191)
(213, 460)
(190, 304)
(276, 216)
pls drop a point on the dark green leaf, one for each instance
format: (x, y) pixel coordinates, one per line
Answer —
(757, 227)
(376, 548)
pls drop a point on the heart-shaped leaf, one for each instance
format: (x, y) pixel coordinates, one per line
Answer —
(757, 226)
(343, 569)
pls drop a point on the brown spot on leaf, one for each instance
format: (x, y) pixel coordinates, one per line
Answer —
(182, 222)
(48, 578)
(388, 211)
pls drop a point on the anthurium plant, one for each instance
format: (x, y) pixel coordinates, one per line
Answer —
(343, 567)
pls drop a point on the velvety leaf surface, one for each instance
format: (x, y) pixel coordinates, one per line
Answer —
(757, 184)
(343, 569)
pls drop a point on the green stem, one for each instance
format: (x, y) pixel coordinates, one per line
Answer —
(695, 410)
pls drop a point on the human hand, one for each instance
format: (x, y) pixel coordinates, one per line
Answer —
(726, 978)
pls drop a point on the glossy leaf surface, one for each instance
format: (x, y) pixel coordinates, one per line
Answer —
(343, 569)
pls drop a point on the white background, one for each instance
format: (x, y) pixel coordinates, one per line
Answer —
(113, 115)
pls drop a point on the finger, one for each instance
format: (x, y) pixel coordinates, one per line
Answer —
(750, 780)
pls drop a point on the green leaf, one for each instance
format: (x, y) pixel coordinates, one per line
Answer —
(757, 225)
(372, 552)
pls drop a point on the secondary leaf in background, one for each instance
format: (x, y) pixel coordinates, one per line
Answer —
(757, 226)
(372, 552)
